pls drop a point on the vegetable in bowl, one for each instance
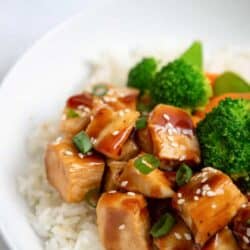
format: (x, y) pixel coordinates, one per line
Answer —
(224, 137)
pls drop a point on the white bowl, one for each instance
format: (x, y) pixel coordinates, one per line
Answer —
(41, 80)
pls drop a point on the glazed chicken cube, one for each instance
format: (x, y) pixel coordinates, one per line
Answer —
(208, 203)
(154, 184)
(110, 130)
(241, 226)
(223, 240)
(120, 97)
(114, 170)
(179, 238)
(123, 221)
(72, 125)
(172, 133)
(76, 114)
(71, 173)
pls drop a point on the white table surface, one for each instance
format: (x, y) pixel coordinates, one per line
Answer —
(22, 22)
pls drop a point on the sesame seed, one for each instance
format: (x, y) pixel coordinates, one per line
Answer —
(81, 155)
(124, 183)
(170, 138)
(173, 144)
(177, 236)
(93, 140)
(206, 187)
(121, 113)
(89, 153)
(166, 117)
(112, 192)
(246, 240)
(182, 158)
(116, 132)
(187, 236)
(211, 193)
(248, 232)
(179, 195)
(131, 193)
(204, 180)
(187, 131)
(57, 140)
(109, 99)
(198, 191)
(180, 201)
(196, 198)
(219, 191)
(213, 206)
(122, 227)
(67, 153)
(244, 205)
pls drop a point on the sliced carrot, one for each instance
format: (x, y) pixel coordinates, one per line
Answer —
(200, 115)
(215, 101)
(211, 77)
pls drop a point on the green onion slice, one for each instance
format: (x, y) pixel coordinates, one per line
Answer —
(92, 196)
(141, 122)
(248, 222)
(229, 82)
(71, 113)
(146, 163)
(163, 225)
(82, 142)
(100, 89)
(193, 55)
(183, 175)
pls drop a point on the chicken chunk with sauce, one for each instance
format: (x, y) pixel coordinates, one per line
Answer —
(154, 184)
(123, 221)
(172, 133)
(76, 114)
(208, 203)
(71, 173)
(223, 240)
(110, 130)
(241, 226)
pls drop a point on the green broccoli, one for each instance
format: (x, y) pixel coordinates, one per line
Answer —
(182, 85)
(224, 137)
(142, 74)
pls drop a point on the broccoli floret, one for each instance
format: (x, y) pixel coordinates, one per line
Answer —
(142, 74)
(182, 85)
(224, 137)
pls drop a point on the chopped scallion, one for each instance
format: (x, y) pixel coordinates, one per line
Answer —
(248, 222)
(92, 196)
(82, 142)
(71, 113)
(141, 123)
(183, 175)
(163, 225)
(146, 163)
(100, 89)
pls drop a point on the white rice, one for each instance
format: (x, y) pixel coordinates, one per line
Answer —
(72, 226)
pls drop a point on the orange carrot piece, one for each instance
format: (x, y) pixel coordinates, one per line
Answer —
(212, 77)
(215, 101)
